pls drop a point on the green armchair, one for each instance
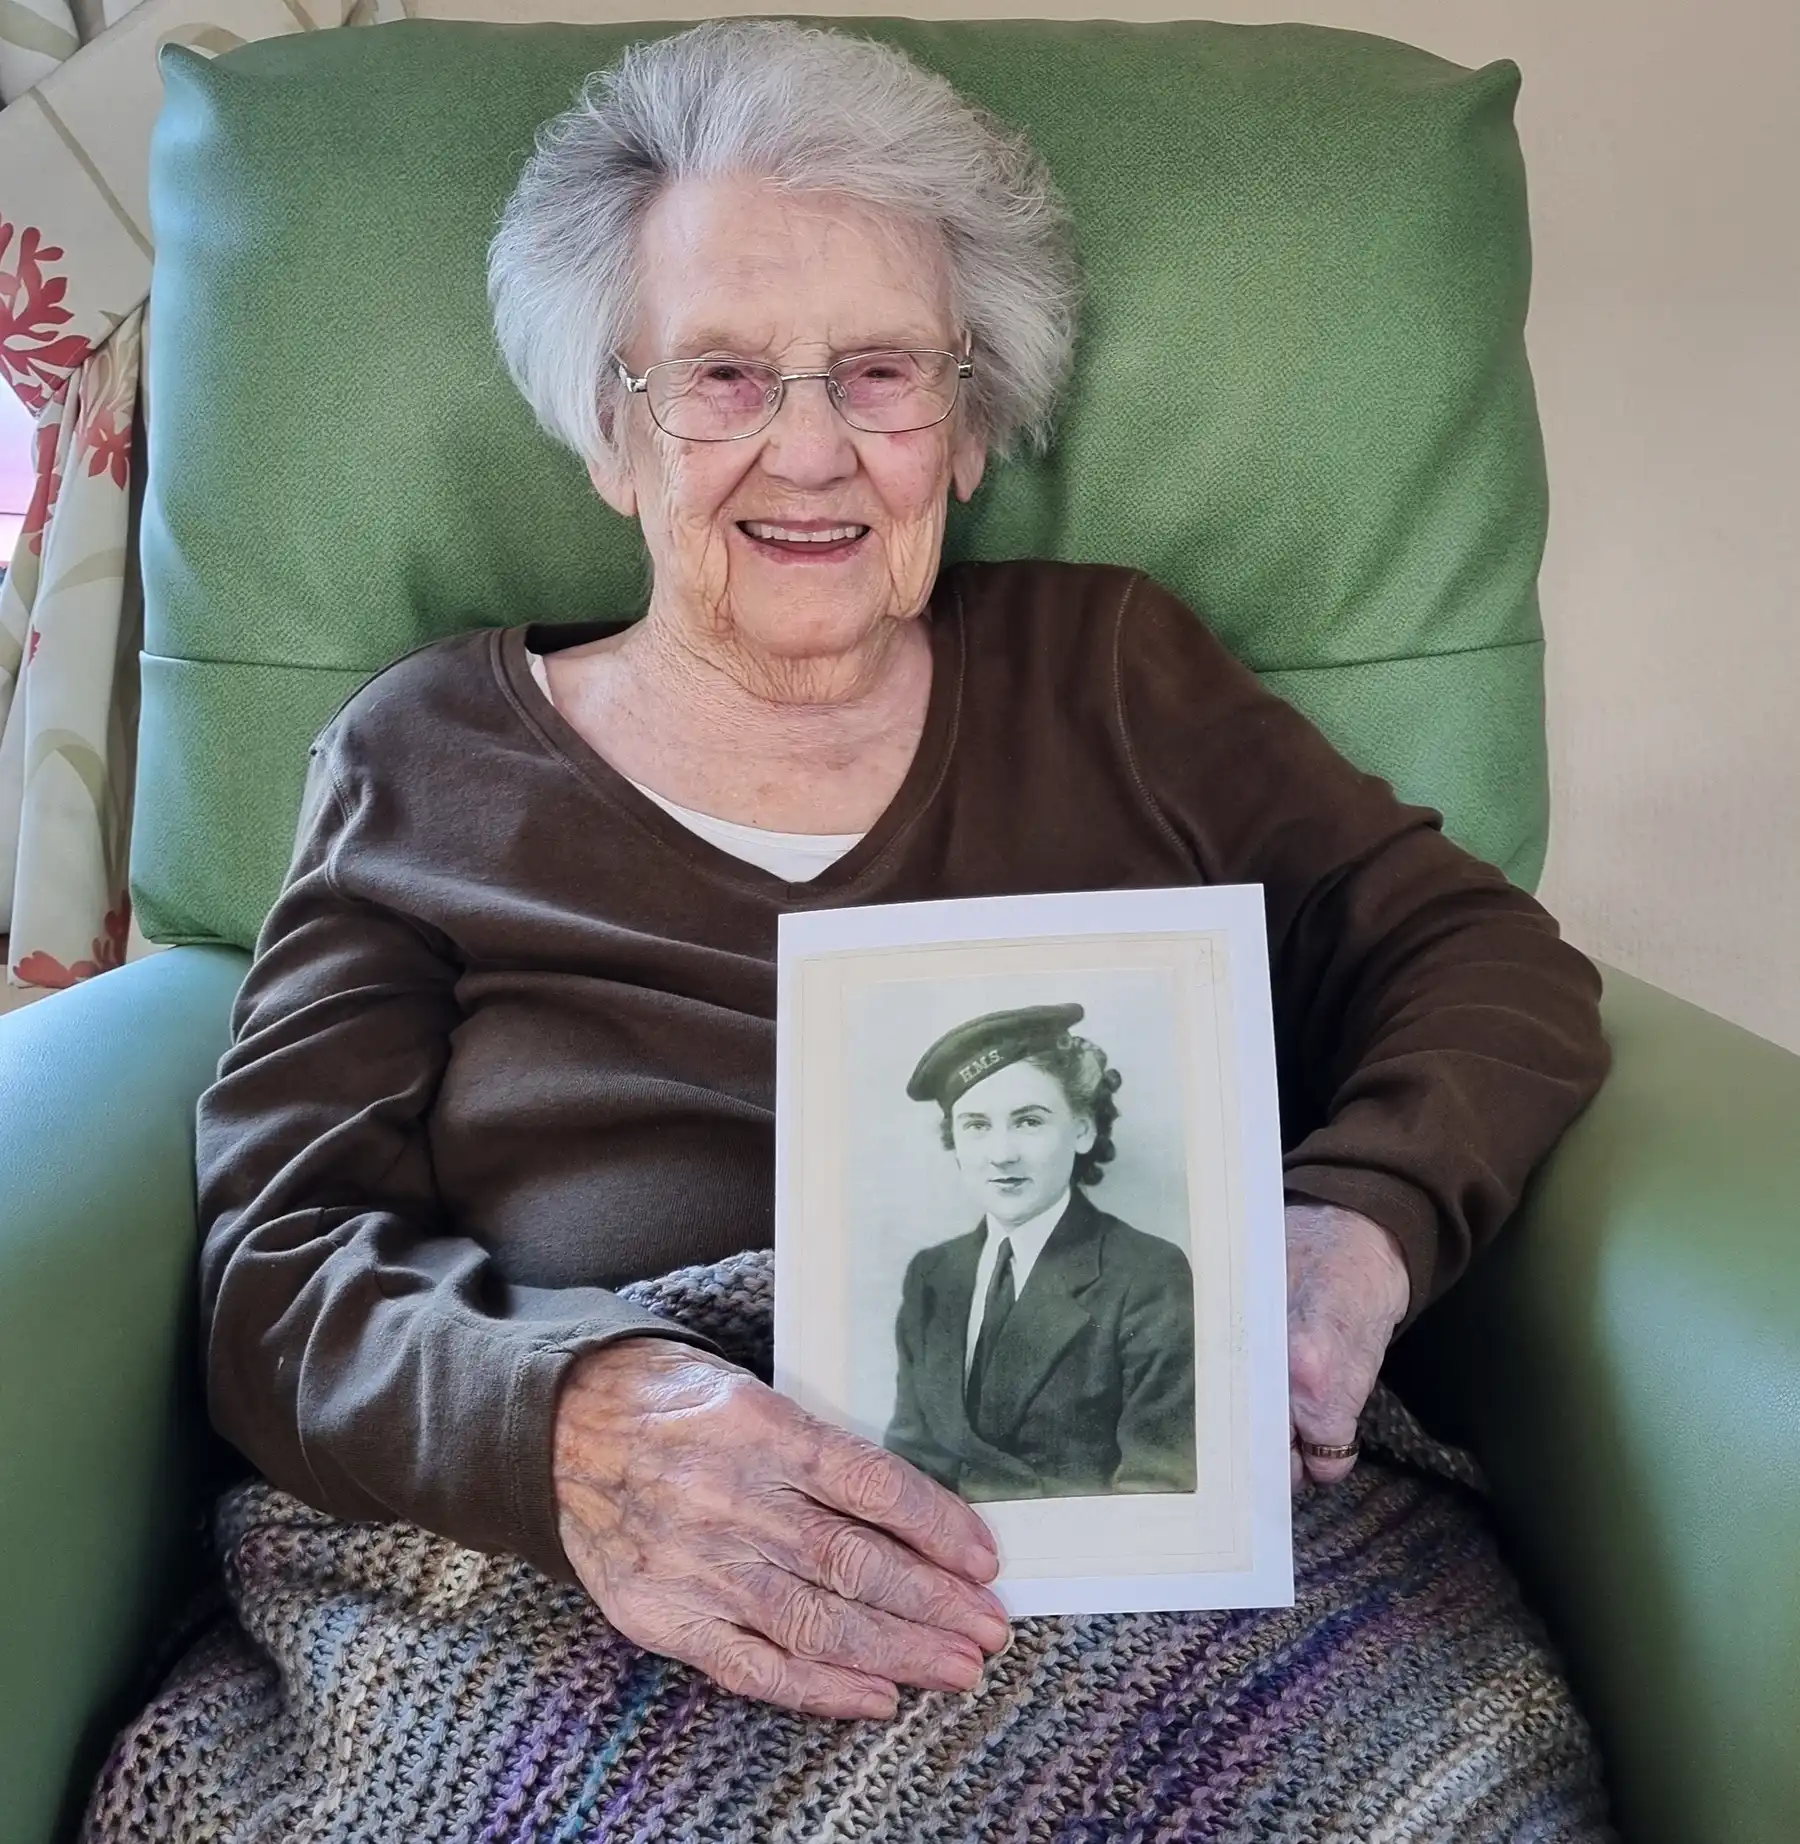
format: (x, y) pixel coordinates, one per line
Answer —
(1626, 1363)
(339, 471)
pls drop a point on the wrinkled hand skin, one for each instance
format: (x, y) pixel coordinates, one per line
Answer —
(718, 1523)
(1347, 1291)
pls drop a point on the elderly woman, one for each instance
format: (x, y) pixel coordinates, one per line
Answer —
(508, 1042)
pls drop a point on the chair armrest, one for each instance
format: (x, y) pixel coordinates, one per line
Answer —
(97, 1093)
(1626, 1363)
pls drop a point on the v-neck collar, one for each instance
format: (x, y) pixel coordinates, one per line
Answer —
(508, 650)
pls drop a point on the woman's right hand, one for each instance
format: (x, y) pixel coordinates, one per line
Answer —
(717, 1522)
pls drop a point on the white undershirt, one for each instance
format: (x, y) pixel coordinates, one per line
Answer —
(1028, 1239)
(794, 857)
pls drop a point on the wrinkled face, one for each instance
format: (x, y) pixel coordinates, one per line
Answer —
(1016, 1139)
(734, 268)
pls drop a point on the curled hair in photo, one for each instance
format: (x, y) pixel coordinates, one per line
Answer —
(1080, 1069)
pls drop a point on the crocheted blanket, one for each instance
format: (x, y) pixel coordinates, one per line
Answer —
(375, 1683)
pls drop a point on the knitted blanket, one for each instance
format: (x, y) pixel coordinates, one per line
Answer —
(377, 1683)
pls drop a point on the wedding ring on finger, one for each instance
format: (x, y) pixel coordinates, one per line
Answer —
(1314, 1450)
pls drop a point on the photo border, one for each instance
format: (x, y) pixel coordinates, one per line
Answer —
(1133, 1552)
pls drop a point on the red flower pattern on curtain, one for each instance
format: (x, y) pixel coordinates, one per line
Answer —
(36, 359)
(41, 969)
(103, 429)
(40, 360)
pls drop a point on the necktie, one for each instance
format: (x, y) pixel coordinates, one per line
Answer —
(1000, 1295)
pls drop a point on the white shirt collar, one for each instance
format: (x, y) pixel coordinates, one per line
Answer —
(1028, 1239)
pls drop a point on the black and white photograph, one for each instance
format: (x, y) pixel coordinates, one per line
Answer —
(1028, 1230)
(1033, 1183)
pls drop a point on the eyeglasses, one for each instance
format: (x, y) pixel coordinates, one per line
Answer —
(726, 399)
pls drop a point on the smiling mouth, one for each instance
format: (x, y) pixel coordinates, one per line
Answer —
(804, 542)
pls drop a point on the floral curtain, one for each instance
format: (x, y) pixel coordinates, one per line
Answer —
(68, 642)
(79, 83)
(68, 608)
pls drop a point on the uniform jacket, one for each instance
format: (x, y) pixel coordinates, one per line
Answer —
(1090, 1388)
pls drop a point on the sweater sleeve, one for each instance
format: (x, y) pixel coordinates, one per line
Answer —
(1434, 1033)
(360, 1351)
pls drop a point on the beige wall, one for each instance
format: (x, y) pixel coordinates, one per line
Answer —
(1665, 332)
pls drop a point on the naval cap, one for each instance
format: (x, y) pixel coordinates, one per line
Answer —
(969, 1053)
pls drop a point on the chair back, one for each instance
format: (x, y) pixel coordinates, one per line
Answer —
(1301, 397)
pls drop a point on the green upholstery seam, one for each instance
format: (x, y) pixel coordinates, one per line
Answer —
(1405, 659)
(1348, 665)
(164, 942)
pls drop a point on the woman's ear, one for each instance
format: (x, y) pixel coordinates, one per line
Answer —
(610, 470)
(1085, 1135)
(968, 462)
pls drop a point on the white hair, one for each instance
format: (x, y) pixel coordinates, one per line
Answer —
(809, 111)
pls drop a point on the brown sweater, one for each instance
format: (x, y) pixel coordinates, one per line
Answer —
(508, 1040)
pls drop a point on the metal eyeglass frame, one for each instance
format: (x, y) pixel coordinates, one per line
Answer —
(640, 387)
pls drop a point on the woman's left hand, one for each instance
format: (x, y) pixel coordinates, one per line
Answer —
(1347, 1291)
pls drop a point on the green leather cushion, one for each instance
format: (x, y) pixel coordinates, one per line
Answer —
(99, 1369)
(1625, 1360)
(1302, 398)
